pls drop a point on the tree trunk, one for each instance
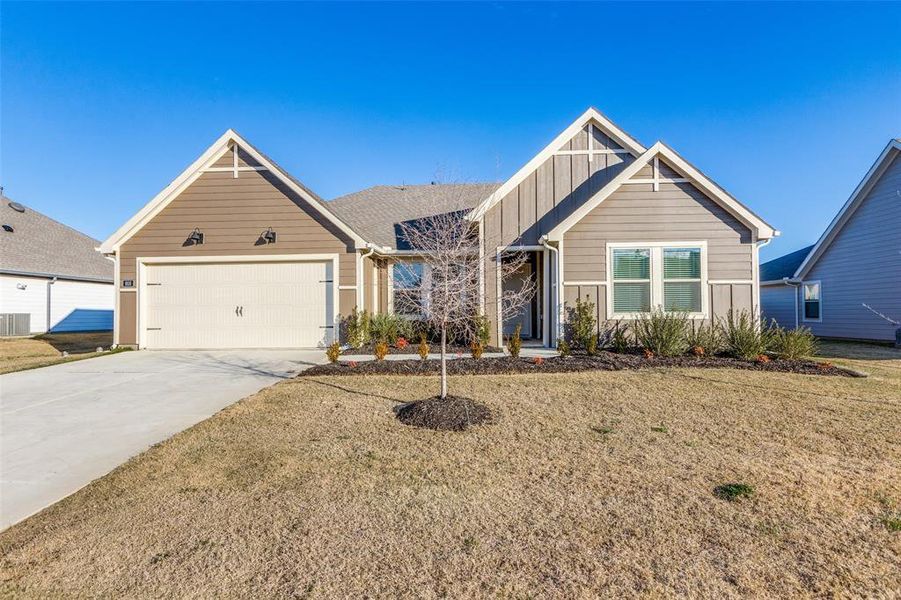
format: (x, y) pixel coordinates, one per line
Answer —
(443, 361)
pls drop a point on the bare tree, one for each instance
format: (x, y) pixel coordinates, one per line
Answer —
(447, 292)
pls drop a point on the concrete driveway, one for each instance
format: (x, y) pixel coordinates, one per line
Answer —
(64, 426)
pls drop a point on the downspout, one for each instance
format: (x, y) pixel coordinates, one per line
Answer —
(360, 279)
(795, 283)
(756, 289)
(49, 283)
(556, 287)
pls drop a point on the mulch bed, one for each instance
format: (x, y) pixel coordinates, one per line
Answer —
(452, 413)
(413, 348)
(603, 361)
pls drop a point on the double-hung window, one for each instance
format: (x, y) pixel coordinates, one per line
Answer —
(648, 276)
(812, 301)
(409, 289)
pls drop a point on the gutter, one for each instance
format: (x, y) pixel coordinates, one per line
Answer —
(555, 301)
(52, 276)
(49, 284)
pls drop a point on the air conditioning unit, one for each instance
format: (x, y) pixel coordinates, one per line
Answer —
(15, 324)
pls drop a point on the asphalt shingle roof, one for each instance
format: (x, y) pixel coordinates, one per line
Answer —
(375, 212)
(38, 244)
(784, 266)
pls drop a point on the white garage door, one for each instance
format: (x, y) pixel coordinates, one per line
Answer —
(238, 305)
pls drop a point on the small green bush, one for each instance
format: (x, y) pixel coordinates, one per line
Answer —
(619, 339)
(583, 324)
(663, 333)
(733, 491)
(793, 344)
(385, 328)
(744, 336)
(706, 337)
(563, 348)
(483, 330)
(514, 342)
(357, 326)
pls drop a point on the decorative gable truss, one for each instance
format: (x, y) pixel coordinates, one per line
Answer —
(229, 153)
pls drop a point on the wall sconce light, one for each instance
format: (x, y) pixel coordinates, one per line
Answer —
(195, 237)
(269, 236)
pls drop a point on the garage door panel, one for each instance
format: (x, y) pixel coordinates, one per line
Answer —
(282, 305)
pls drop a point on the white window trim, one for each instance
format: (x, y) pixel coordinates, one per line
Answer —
(801, 287)
(656, 249)
(425, 290)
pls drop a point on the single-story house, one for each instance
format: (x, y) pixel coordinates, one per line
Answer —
(848, 284)
(51, 276)
(236, 252)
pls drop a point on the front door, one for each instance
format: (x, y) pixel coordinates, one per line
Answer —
(514, 283)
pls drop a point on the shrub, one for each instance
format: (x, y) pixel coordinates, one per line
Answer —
(357, 325)
(733, 491)
(744, 336)
(538, 361)
(563, 348)
(476, 348)
(582, 324)
(402, 343)
(619, 340)
(762, 359)
(333, 352)
(384, 328)
(423, 347)
(514, 342)
(663, 333)
(381, 350)
(406, 328)
(705, 337)
(793, 344)
(483, 330)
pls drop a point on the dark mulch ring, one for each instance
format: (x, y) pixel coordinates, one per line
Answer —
(451, 413)
(603, 361)
(413, 348)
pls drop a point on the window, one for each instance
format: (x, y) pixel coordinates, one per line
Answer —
(682, 279)
(409, 283)
(631, 280)
(812, 309)
(666, 275)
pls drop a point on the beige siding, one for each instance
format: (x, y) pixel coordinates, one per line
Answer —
(232, 213)
(127, 315)
(678, 212)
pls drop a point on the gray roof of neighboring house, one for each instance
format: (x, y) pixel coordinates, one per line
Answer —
(40, 245)
(376, 212)
(784, 266)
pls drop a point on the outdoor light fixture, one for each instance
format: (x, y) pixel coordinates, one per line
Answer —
(195, 237)
(269, 236)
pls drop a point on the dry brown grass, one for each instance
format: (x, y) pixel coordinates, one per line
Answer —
(17, 354)
(589, 484)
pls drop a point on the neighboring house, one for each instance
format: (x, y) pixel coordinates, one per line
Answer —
(856, 262)
(51, 277)
(235, 252)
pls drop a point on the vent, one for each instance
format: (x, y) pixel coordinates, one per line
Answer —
(17, 207)
(15, 324)
(8, 228)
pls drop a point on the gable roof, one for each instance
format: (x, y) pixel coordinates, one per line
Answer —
(38, 245)
(592, 115)
(377, 211)
(885, 158)
(696, 177)
(226, 141)
(784, 266)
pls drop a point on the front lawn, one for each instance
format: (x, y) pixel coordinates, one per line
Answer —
(17, 354)
(713, 482)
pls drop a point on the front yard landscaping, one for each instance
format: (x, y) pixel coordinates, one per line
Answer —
(657, 482)
(17, 354)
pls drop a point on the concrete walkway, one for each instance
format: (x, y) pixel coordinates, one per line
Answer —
(63, 426)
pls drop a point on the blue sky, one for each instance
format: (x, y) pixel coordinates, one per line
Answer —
(784, 105)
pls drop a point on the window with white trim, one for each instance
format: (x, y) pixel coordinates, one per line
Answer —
(670, 276)
(409, 287)
(812, 301)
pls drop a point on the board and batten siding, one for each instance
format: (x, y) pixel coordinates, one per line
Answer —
(677, 212)
(863, 265)
(548, 195)
(232, 213)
